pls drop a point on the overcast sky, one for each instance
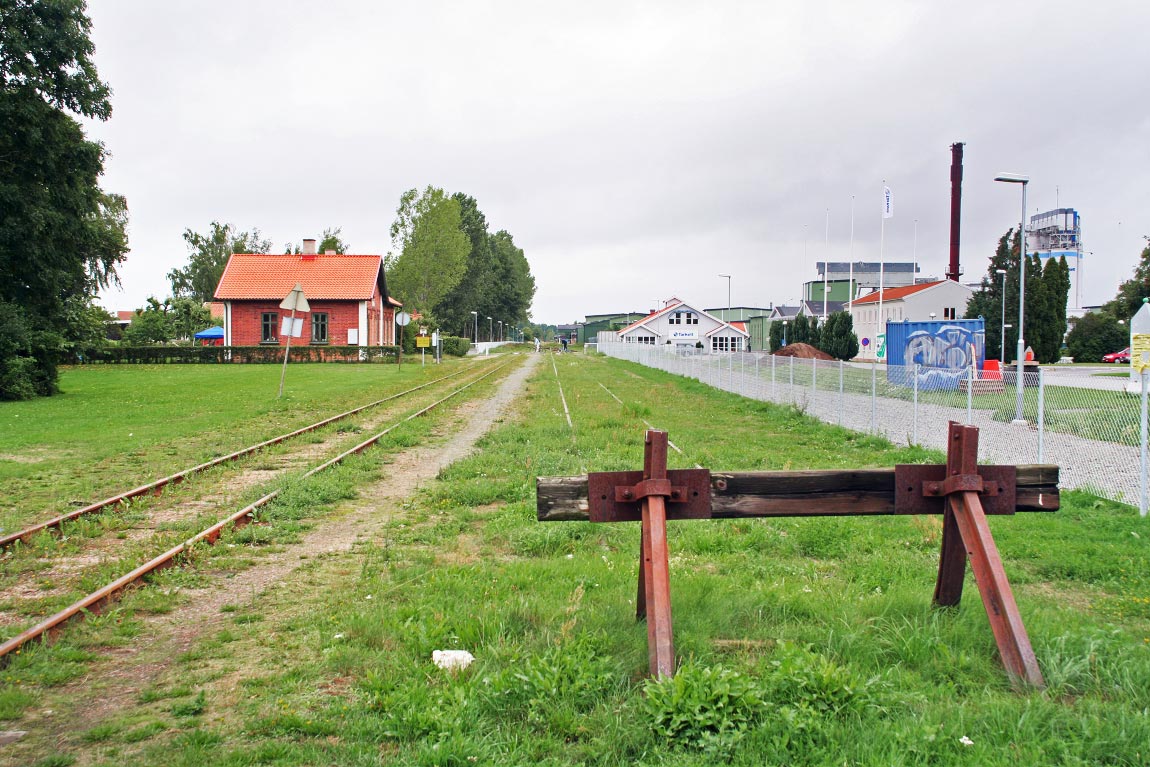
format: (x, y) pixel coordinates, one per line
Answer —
(633, 150)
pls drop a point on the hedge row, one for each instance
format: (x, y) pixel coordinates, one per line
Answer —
(160, 355)
(163, 355)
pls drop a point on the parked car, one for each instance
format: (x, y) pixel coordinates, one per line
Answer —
(1118, 357)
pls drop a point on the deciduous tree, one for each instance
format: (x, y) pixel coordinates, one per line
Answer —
(430, 255)
(61, 236)
(208, 255)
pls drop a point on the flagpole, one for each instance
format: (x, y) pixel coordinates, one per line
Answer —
(881, 272)
(914, 256)
(826, 263)
(851, 287)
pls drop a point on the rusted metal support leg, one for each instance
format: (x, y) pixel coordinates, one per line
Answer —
(997, 598)
(951, 563)
(966, 533)
(641, 597)
(655, 565)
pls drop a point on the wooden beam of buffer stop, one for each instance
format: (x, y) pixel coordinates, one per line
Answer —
(961, 491)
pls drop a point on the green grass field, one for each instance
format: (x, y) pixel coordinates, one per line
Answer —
(800, 642)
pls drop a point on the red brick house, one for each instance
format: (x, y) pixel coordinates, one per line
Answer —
(347, 295)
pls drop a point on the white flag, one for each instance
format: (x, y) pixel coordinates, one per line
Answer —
(887, 203)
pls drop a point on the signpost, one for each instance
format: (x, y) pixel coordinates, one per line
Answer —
(401, 319)
(295, 301)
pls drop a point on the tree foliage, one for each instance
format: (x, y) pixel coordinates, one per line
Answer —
(431, 250)
(1047, 290)
(208, 255)
(61, 236)
(491, 279)
(1131, 292)
(838, 337)
(1095, 334)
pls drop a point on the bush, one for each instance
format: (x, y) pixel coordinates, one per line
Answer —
(455, 346)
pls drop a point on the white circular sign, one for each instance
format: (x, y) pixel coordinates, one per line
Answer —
(402, 319)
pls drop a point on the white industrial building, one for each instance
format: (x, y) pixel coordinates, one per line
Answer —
(943, 300)
(681, 327)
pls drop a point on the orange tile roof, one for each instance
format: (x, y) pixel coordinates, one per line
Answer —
(254, 276)
(892, 294)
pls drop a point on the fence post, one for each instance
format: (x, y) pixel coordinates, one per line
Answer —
(915, 408)
(841, 397)
(970, 395)
(814, 377)
(1142, 493)
(1041, 411)
(774, 387)
(791, 392)
(873, 396)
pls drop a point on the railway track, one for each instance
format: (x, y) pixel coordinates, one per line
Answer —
(96, 600)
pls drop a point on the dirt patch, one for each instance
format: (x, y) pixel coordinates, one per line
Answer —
(803, 351)
(116, 684)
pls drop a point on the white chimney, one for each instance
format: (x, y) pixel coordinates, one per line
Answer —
(308, 248)
(329, 252)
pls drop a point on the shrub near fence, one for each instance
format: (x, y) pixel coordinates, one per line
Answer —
(160, 355)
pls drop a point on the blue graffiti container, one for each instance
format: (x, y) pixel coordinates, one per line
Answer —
(944, 350)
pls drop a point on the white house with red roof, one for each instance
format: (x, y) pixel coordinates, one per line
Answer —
(680, 327)
(942, 300)
(347, 297)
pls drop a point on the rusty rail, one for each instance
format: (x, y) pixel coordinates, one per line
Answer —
(158, 485)
(95, 601)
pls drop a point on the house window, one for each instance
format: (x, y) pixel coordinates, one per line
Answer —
(949, 313)
(319, 327)
(692, 319)
(722, 344)
(268, 329)
(675, 319)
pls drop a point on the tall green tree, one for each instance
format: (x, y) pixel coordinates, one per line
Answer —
(1095, 334)
(514, 286)
(1047, 291)
(775, 336)
(838, 337)
(208, 255)
(474, 291)
(1132, 291)
(430, 256)
(61, 236)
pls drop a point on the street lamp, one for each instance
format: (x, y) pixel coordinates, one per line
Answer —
(475, 322)
(725, 317)
(1015, 178)
(784, 332)
(1002, 338)
(490, 331)
(500, 330)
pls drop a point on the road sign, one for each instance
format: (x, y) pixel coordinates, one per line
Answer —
(422, 342)
(402, 319)
(295, 301)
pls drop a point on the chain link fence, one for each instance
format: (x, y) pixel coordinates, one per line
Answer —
(1087, 424)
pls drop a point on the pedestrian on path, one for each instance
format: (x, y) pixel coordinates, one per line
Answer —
(536, 344)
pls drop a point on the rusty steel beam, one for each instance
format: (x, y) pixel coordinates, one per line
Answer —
(655, 563)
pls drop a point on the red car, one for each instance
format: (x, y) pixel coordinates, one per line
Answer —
(1119, 357)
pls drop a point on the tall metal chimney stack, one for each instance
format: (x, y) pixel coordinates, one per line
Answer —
(955, 270)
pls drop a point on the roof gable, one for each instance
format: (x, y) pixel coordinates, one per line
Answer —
(255, 276)
(894, 294)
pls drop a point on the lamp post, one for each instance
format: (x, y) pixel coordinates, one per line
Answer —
(1002, 338)
(500, 330)
(784, 332)
(475, 321)
(1015, 178)
(725, 317)
(490, 330)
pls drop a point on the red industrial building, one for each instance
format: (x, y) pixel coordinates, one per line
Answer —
(347, 297)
